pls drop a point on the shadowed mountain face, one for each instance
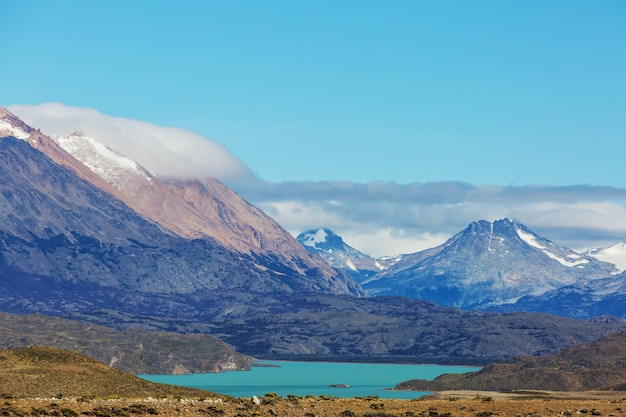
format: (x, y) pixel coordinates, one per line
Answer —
(189, 208)
(588, 298)
(132, 350)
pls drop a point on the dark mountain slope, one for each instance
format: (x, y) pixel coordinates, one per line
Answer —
(312, 325)
(133, 350)
(588, 298)
(41, 200)
(597, 365)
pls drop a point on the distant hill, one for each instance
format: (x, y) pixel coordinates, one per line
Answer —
(48, 372)
(599, 365)
(133, 350)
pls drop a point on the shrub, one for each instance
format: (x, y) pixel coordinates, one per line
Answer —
(212, 411)
(68, 412)
(86, 398)
(379, 414)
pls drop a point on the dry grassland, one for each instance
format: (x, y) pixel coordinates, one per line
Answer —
(444, 404)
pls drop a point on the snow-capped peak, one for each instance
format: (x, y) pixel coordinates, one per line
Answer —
(331, 247)
(570, 259)
(11, 125)
(103, 161)
(312, 238)
(8, 129)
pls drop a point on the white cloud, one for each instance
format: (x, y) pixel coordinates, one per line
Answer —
(373, 238)
(388, 218)
(164, 151)
(390, 241)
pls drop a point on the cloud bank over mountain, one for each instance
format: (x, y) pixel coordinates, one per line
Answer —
(164, 151)
(384, 218)
(379, 218)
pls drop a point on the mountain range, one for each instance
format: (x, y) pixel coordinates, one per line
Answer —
(496, 266)
(87, 234)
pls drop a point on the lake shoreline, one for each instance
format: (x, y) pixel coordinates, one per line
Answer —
(377, 359)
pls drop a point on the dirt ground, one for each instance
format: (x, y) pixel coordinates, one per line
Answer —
(443, 404)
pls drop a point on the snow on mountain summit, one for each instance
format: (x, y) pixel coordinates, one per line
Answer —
(7, 129)
(11, 125)
(103, 161)
(564, 256)
(615, 254)
(312, 239)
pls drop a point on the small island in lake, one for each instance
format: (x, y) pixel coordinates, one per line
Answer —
(338, 386)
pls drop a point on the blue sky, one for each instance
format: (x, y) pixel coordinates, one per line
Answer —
(485, 93)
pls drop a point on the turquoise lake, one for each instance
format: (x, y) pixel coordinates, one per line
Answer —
(313, 378)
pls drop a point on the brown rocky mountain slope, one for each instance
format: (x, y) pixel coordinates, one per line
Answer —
(189, 208)
(230, 217)
(599, 365)
(67, 246)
